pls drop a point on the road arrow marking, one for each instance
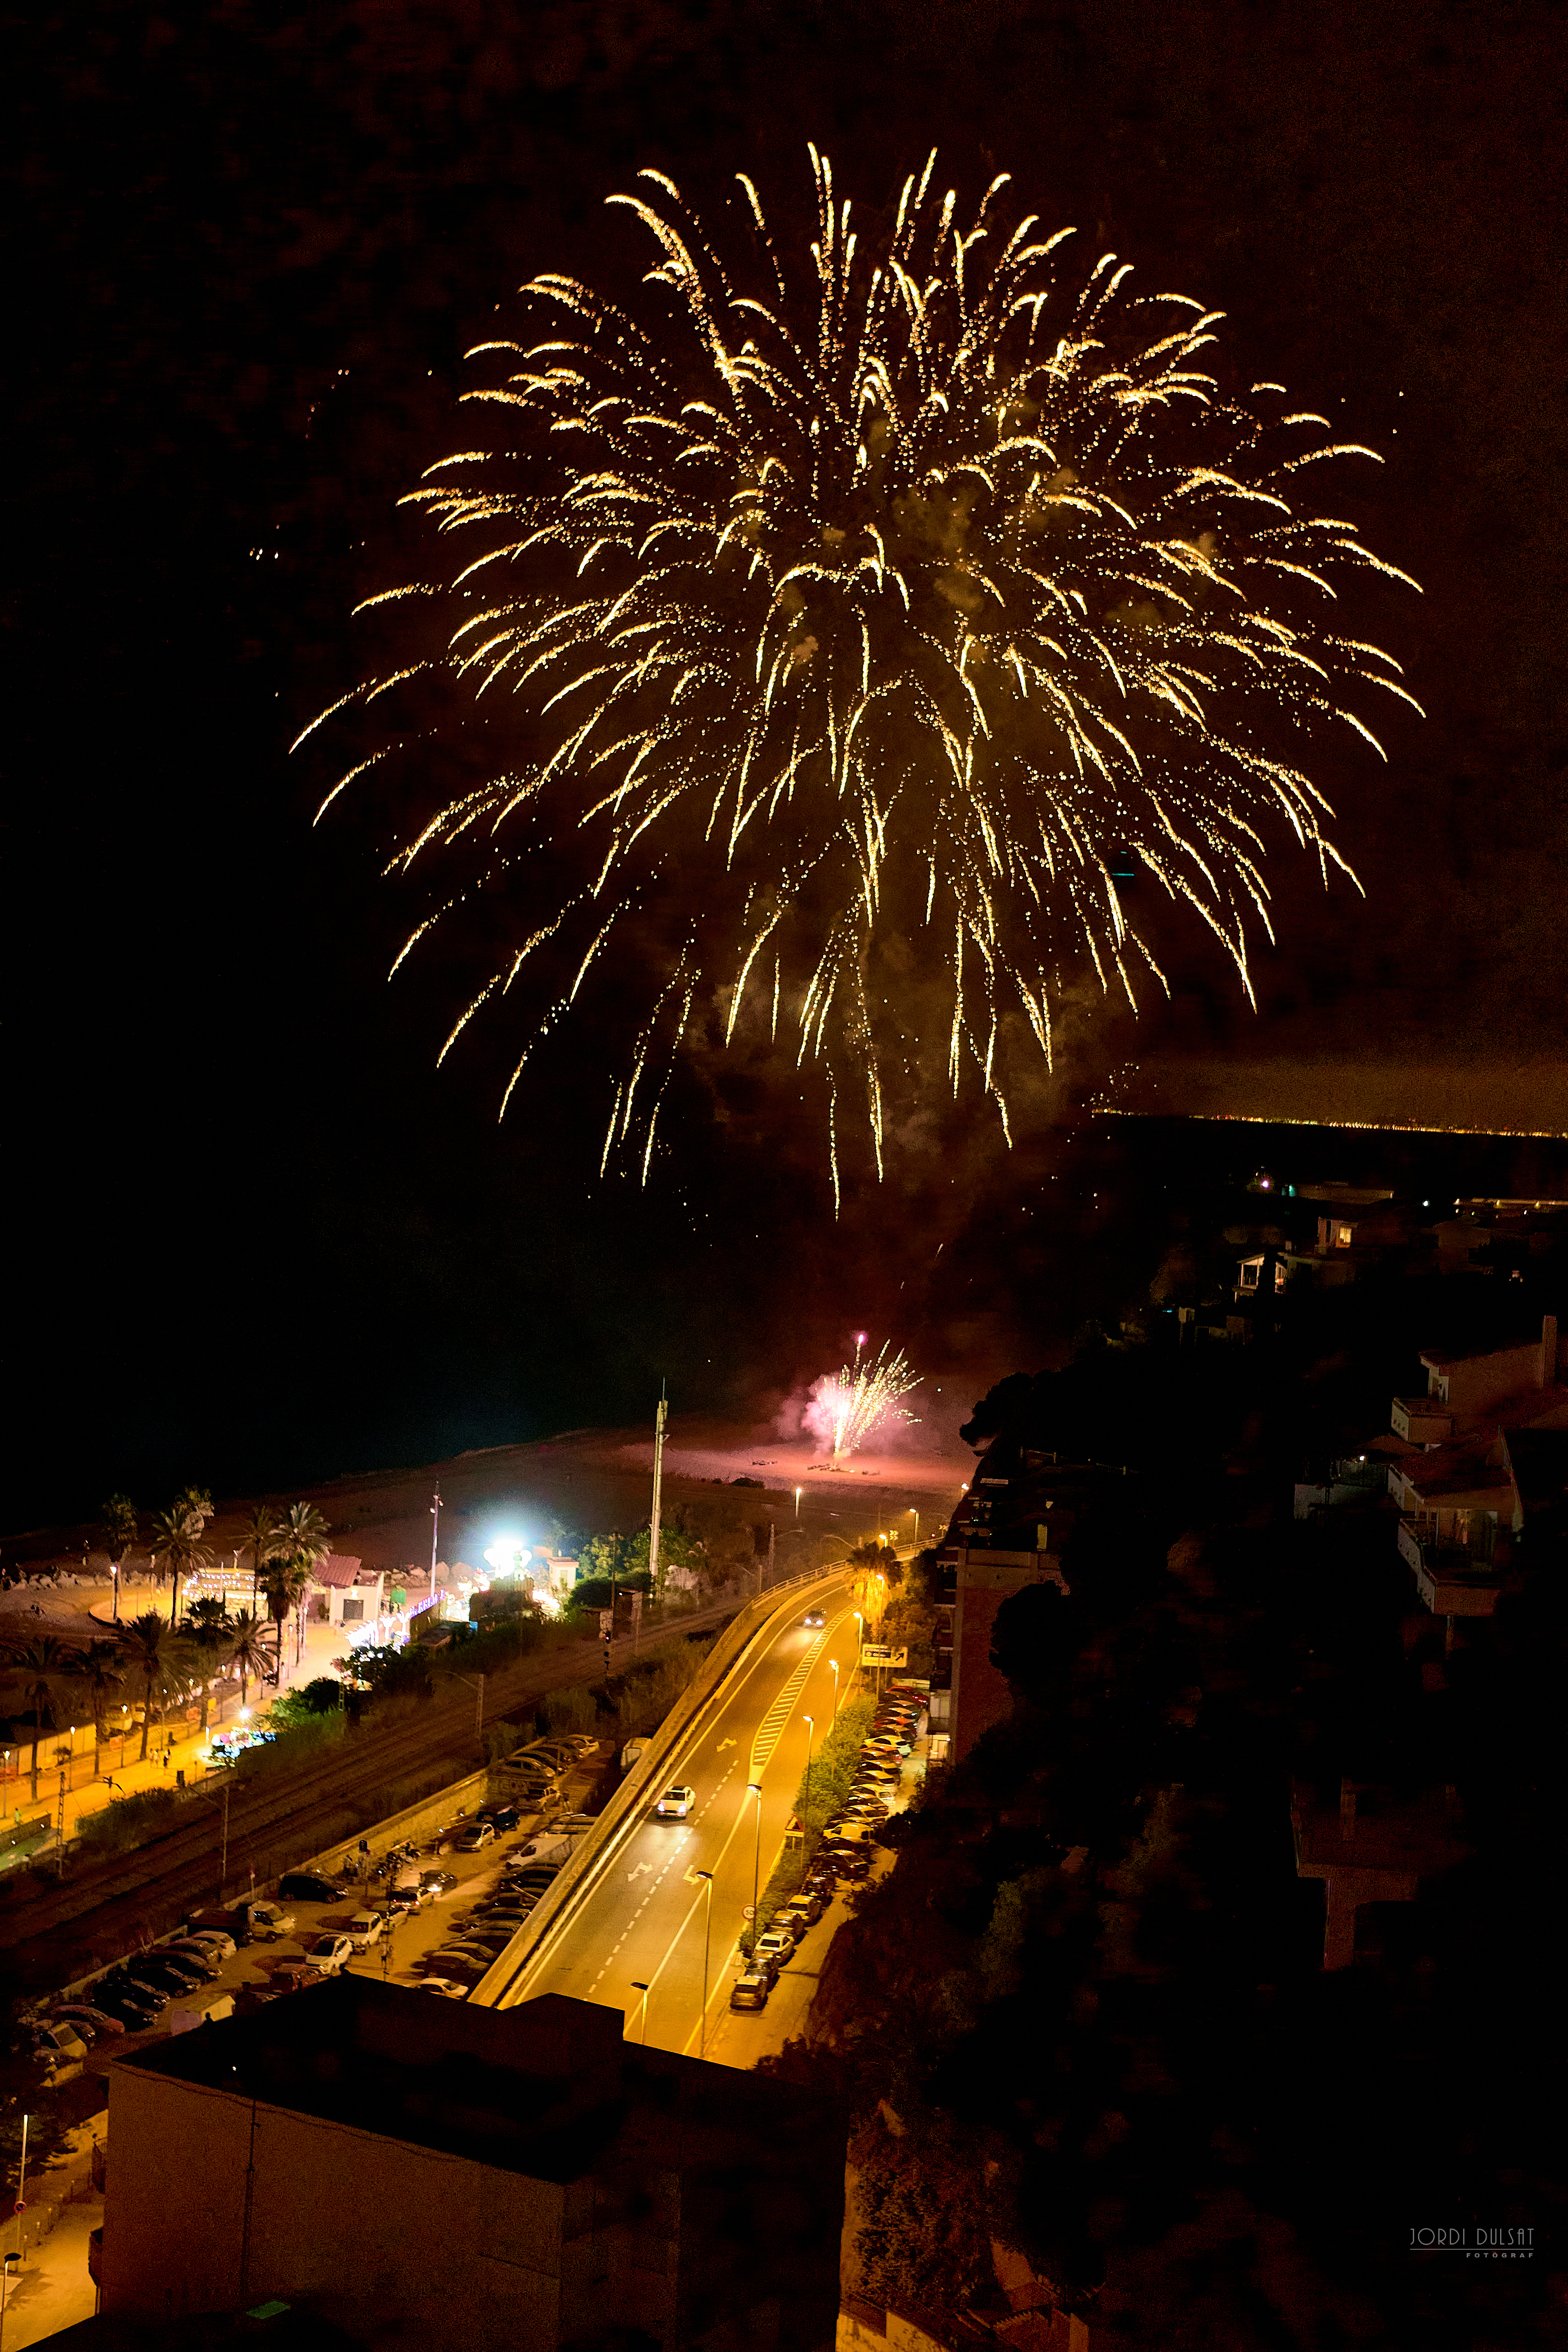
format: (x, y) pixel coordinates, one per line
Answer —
(723, 1743)
(641, 1871)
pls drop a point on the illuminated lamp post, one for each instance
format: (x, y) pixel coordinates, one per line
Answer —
(832, 1664)
(810, 1723)
(642, 2010)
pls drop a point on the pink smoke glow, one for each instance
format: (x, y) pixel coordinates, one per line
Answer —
(844, 1408)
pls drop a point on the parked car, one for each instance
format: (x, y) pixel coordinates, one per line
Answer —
(295, 1976)
(501, 1818)
(675, 1803)
(477, 1835)
(807, 1908)
(122, 1996)
(329, 1951)
(210, 1939)
(233, 1923)
(199, 1957)
(164, 1976)
(582, 1743)
(448, 1987)
(366, 1928)
(467, 1960)
(751, 1991)
(773, 1944)
(61, 2040)
(534, 1874)
(545, 1845)
(308, 1887)
(439, 1882)
(409, 1894)
(269, 1922)
(82, 2014)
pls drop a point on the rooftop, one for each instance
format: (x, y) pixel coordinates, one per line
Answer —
(549, 2089)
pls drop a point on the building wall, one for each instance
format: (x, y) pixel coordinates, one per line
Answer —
(368, 2229)
(980, 1694)
(1474, 1385)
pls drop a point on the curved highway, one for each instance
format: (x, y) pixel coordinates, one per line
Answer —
(648, 1919)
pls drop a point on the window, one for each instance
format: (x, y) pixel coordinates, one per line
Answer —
(1342, 1236)
(354, 1611)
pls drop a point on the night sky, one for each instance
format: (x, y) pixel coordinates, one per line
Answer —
(255, 1237)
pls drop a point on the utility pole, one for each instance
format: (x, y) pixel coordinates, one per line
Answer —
(222, 1864)
(755, 1790)
(435, 1537)
(657, 1489)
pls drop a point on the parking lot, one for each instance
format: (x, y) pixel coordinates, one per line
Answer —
(400, 1952)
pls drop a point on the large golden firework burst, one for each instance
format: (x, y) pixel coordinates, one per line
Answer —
(923, 599)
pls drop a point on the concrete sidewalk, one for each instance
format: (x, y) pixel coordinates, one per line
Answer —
(50, 2289)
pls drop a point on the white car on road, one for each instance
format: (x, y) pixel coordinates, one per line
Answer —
(366, 1928)
(675, 1803)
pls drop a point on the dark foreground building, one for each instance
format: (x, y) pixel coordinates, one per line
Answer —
(415, 2171)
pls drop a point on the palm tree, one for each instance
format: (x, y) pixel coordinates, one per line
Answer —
(210, 1635)
(197, 1503)
(177, 1547)
(249, 1650)
(304, 1538)
(44, 1668)
(117, 1532)
(261, 1539)
(157, 1663)
(102, 1673)
(287, 1582)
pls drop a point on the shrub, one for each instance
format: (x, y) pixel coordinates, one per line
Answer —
(128, 1821)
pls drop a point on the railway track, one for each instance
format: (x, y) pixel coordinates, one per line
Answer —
(102, 1912)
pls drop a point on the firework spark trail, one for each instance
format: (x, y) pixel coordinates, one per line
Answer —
(846, 1407)
(914, 598)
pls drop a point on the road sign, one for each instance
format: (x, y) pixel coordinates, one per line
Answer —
(877, 1654)
(20, 2206)
(750, 1912)
(795, 1837)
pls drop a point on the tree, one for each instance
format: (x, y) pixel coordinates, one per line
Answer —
(249, 1650)
(102, 1673)
(261, 1542)
(195, 1503)
(287, 1582)
(303, 1539)
(158, 1662)
(290, 1708)
(210, 1636)
(118, 1529)
(177, 1547)
(45, 1668)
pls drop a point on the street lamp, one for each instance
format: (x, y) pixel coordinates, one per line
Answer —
(810, 1723)
(638, 1987)
(706, 1878)
(832, 1664)
(916, 1517)
(755, 1788)
(797, 1495)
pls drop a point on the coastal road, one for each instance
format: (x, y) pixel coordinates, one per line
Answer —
(646, 1919)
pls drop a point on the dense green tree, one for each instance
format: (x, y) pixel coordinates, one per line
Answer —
(209, 1634)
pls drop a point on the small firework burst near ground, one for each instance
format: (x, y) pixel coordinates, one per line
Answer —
(848, 1406)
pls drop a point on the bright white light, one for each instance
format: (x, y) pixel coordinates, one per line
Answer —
(507, 1555)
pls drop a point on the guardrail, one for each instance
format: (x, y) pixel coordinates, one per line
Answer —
(570, 1888)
